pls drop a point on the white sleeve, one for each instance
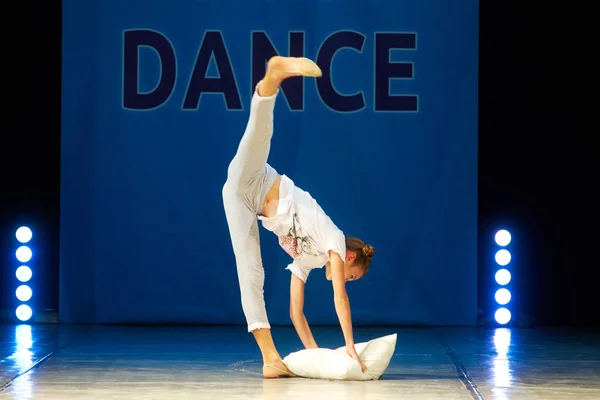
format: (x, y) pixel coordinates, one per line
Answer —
(332, 238)
(336, 241)
(298, 271)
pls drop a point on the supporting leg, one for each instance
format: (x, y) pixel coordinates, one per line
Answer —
(243, 229)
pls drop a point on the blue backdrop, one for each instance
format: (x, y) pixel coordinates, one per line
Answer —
(155, 99)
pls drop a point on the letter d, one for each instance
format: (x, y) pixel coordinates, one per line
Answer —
(132, 41)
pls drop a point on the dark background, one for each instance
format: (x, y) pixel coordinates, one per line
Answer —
(536, 175)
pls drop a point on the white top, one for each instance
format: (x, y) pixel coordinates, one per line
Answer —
(305, 232)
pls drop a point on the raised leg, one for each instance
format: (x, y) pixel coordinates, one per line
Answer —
(253, 150)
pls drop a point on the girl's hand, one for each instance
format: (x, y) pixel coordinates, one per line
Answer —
(352, 353)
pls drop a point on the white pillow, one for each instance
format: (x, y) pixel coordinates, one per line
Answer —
(337, 364)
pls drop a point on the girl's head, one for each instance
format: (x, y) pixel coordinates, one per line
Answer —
(360, 253)
(358, 258)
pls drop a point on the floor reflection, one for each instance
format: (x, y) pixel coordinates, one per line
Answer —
(23, 360)
(501, 371)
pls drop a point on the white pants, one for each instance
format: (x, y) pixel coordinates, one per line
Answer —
(249, 178)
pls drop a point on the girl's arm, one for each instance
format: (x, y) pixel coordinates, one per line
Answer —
(297, 313)
(340, 296)
(342, 304)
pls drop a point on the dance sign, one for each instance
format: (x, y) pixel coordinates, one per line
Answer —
(213, 48)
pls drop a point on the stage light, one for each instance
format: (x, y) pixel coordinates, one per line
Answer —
(24, 293)
(503, 237)
(23, 234)
(23, 254)
(502, 316)
(503, 257)
(24, 273)
(502, 296)
(24, 312)
(503, 277)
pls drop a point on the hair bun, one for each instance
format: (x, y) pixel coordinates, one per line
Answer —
(368, 251)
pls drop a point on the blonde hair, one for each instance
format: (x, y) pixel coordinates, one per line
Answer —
(364, 252)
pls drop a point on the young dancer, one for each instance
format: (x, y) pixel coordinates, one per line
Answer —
(255, 191)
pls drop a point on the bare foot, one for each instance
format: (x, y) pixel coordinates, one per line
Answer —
(285, 67)
(276, 369)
